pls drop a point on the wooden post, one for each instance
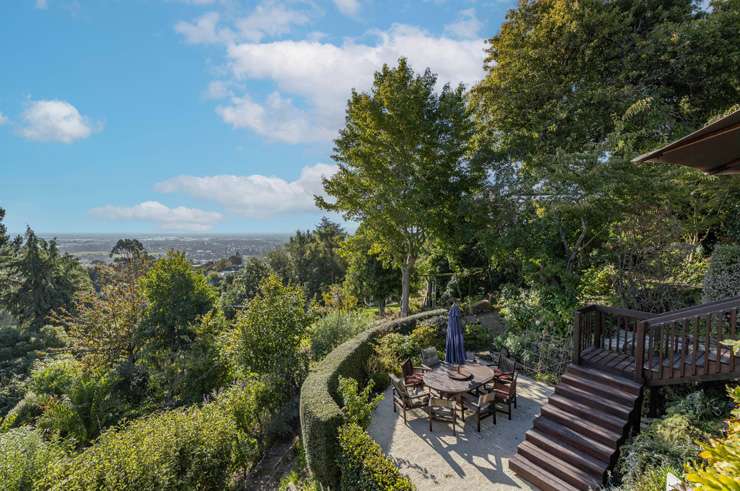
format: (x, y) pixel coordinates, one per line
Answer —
(656, 402)
(639, 351)
(577, 338)
(599, 329)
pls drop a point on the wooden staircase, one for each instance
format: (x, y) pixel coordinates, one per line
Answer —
(576, 437)
(617, 352)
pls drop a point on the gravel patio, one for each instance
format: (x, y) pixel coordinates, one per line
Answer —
(472, 460)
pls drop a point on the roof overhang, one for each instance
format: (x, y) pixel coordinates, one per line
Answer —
(714, 149)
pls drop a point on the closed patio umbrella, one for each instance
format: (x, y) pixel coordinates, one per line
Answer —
(455, 345)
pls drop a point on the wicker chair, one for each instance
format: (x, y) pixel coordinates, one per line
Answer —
(505, 393)
(406, 400)
(412, 376)
(442, 410)
(482, 404)
(429, 358)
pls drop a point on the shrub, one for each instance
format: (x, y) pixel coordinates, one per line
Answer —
(25, 458)
(720, 468)
(392, 349)
(363, 464)
(269, 332)
(358, 406)
(426, 335)
(477, 337)
(722, 279)
(56, 376)
(335, 328)
(189, 448)
(319, 411)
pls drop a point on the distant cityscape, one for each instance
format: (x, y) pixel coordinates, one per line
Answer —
(199, 248)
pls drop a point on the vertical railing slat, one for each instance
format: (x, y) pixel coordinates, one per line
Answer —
(695, 358)
(707, 344)
(684, 346)
(733, 333)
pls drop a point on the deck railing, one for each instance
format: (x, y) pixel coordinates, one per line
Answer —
(687, 344)
(608, 328)
(675, 347)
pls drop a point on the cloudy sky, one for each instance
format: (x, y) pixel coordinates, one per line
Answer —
(199, 115)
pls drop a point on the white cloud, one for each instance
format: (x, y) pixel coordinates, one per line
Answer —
(55, 120)
(322, 74)
(268, 19)
(217, 89)
(255, 196)
(467, 26)
(348, 7)
(277, 119)
(3, 119)
(179, 218)
(42, 4)
(204, 30)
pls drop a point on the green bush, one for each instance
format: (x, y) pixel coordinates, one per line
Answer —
(477, 337)
(667, 443)
(25, 458)
(392, 349)
(722, 279)
(426, 335)
(188, 448)
(319, 411)
(358, 406)
(335, 328)
(363, 464)
(56, 376)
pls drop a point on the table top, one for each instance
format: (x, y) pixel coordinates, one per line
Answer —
(438, 379)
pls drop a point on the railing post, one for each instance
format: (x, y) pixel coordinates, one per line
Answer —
(577, 337)
(639, 350)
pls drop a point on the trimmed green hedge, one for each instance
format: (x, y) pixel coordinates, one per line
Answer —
(321, 415)
(363, 464)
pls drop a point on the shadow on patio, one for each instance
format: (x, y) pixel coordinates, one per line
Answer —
(472, 460)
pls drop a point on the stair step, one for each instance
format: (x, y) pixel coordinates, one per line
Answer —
(609, 421)
(618, 409)
(573, 456)
(607, 378)
(538, 476)
(558, 467)
(574, 439)
(597, 388)
(588, 428)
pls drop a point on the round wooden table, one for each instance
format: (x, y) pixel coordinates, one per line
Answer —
(439, 380)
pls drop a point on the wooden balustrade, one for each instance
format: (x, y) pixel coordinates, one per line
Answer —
(675, 347)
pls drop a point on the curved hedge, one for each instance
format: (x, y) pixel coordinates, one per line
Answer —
(320, 413)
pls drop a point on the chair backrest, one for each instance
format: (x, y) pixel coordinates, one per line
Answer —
(399, 387)
(506, 364)
(508, 387)
(407, 368)
(429, 357)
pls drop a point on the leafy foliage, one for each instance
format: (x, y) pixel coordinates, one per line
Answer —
(407, 141)
(358, 406)
(25, 458)
(269, 332)
(38, 279)
(720, 467)
(242, 286)
(723, 276)
(176, 296)
(333, 329)
(363, 464)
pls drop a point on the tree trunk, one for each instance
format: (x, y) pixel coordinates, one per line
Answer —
(381, 307)
(406, 269)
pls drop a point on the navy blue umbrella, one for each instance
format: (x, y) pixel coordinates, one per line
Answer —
(455, 345)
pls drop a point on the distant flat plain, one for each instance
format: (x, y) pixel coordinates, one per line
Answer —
(200, 248)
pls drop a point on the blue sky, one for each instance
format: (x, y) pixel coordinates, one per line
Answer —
(199, 115)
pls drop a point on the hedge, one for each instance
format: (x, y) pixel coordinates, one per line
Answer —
(320, 413)
(363, 464)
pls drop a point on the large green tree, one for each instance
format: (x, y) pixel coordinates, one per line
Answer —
(243, 285)
(176, 296)
(367, 276)
(404, 170)
(573, 91)
(38, 279)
